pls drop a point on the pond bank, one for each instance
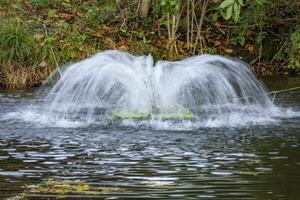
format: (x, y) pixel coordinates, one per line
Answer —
(36, 36)
(24, 78)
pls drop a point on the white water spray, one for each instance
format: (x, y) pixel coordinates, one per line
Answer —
(218, 91)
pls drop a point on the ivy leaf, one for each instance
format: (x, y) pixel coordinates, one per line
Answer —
(226, 4)
(242, 41)
(163, 2)
(229, 12)
(260, 2)
(173, 2)
(215, 16)
(237, 12)
(241, 2)
(223, 14)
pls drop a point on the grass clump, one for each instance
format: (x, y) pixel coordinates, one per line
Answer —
(16, 43)
(24, 60)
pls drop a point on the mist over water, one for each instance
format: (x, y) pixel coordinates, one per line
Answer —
(218, 91)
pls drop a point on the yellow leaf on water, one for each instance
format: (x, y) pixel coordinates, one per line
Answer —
(82, 187)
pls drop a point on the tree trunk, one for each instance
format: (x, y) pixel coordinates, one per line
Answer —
(145, 6)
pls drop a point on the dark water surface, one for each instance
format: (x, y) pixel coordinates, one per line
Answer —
(254, 162)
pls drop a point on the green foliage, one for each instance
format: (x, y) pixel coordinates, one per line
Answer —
(260, 36)
(76, 29)
(97, 14)
(52, 13)
(239, 35)
(140, 47)
(294, 50)
(261, 2)
(40, 4)
(252, 19)
(19, 46)
(16, 43)
(208, 50)
(231, 9)
(73, 46)
(170, 6)
(46, 57)
(4, 3)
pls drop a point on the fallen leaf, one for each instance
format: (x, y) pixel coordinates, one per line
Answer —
(228, 50)
(217, 43)
(251, 48)
(123, 48)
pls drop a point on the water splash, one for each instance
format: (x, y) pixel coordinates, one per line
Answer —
(218, 91)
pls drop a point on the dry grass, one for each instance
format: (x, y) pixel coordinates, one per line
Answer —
(22, 77)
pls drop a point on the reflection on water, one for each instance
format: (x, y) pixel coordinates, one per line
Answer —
(258, 162)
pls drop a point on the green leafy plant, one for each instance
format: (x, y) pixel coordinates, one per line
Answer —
(231, 9)
(52, 14)
(4, 3)
(97, 14)
(208, 50)
(40, 4)
(253, 19)
(16, 42)
(170, 6)
(294, 50)
(46, 57)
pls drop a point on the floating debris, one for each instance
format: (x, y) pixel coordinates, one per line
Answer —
(181, 114)
(61, 189)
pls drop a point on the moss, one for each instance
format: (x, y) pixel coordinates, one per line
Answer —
(138, 116)
(175, 116)
(181, 113)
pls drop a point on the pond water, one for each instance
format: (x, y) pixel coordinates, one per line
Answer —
(243, 162)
